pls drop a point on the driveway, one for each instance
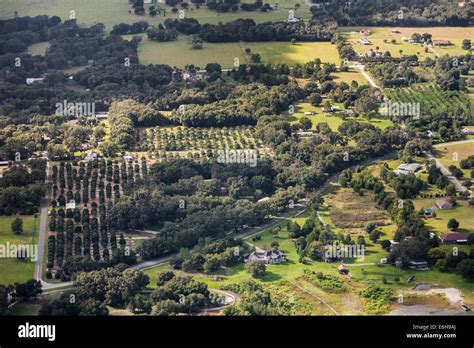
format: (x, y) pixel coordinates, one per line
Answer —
(447, 173)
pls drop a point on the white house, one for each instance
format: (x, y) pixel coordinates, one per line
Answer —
(407, 168)
(91, 156)
(267, 256)
(31, 80)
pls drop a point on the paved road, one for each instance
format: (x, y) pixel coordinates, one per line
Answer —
(43, 230)
(361, 68)
(447, 173)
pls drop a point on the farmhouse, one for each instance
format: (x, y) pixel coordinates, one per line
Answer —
(366, 31)
(267, 256)
(127, 157)
(102, 115)
(428, 213)
(444, 204)
(364, 41)
(454, 238)
(442, 43)
(90, 156)
(467, 131)
(407, 168)
(31, 80)
(418, 265)
(302, 134)
(342, 269)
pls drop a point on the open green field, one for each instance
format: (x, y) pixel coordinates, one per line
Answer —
(349, 76)
(13, 270)
(332, 120)
(111, 12)
(299, 53)
(179, 53)
(463, 212)
(379, 34)
(452, 154)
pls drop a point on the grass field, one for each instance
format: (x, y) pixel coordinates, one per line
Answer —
(333, 121)
(349, 76)
(299, 53)
(111, 12)
(179, 53)
(463, 213)
(13, 270)
(453, 154)
(379, 34)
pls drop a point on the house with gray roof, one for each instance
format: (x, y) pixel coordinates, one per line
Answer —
(267, 256)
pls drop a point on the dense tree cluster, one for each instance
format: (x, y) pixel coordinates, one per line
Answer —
(21, 189)
(255, 300)
(180, 294)
(94, 291)
(394, 12)
(244, 105)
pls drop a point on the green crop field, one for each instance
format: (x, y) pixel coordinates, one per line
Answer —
(299, 53)
(111, 12)
(432, 98)
(13, 270)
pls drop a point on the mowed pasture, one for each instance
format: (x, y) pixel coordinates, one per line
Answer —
(292, 54)
(381, 37)
(452, 154)
(111, 12)
(179, 53)
(13, 270)
(463, 213)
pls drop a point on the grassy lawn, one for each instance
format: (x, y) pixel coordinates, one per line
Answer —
(38, 49)
(179, 53)
(111, 12)
(349, 76)
(463, 213)
(379, 34)
(333, 121)
(13, 270)
(453, 154)
(299, 53)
